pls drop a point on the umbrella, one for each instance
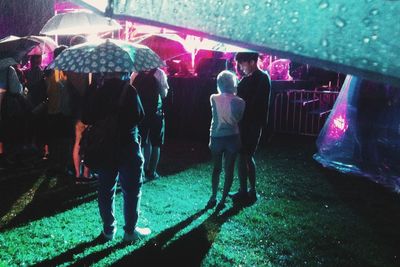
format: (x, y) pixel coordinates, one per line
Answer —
(356, 37)
(107, 56)
(16, 47)
(207, 44)
(6, 62)
(46, 45)
(81, 22)
(166, 45)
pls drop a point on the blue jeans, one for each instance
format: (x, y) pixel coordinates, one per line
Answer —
(129, 173)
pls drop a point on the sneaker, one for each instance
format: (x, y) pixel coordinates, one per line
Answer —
(108, 237)
(137, 234)
(211, 203)
(238, 196)
(253, 196)
(221, 205)
(152, 176)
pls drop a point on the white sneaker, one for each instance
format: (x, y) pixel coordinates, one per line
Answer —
(138, 233)
(109, 237)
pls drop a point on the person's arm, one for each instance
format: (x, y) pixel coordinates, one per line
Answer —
(163, 82)
(14, 87)
(132, 109)
(262, 99)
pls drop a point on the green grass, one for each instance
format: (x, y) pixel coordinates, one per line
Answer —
(306, 216)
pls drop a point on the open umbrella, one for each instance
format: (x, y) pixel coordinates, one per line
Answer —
(107, 55)
(46, 45)
(166, 45)
(16, 47)
(81, 22)
(207, 44)
(356, 37)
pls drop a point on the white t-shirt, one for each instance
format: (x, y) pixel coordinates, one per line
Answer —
(227, 110)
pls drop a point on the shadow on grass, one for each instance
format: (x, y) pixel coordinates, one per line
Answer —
(148, 248)
(188, 250)
(59, 198)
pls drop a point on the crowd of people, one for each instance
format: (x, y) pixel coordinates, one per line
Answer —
(57, 107)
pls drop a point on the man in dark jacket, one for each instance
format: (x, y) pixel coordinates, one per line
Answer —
(117, 97)
(254, 88)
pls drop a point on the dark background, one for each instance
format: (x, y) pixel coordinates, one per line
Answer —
(24, 17)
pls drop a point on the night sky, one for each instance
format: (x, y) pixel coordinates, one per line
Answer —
(24, 17)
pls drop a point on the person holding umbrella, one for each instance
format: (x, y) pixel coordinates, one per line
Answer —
(114, 97)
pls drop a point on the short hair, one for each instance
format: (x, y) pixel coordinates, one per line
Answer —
(226, 82)
(246, 56)
(77, 39)
(58, 50)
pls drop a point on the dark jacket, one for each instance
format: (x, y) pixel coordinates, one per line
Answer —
(105, 100)
(255, 91)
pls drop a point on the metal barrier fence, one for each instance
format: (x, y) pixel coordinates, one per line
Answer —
(302, 111)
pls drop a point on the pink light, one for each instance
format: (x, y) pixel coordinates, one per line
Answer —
(338, 127)
(340, 123)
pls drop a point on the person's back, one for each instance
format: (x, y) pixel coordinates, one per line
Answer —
(117, 97)
(226, 112)
(35, 81)
(147, 88)
(152, 86)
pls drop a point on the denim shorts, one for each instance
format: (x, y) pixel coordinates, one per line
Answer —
(222, 144)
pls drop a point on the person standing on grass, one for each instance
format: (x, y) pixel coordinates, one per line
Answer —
(254, 88)
(227, 110)
(152, 86)
(78, 84)
(116, 96)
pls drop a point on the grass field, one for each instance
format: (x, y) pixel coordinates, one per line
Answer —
(305, 216)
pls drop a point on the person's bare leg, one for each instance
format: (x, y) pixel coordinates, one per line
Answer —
(76, 159)
(229, 168)
(252, 173)
(217, 159)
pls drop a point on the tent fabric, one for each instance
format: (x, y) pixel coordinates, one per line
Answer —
(362, 133)
(349, 36)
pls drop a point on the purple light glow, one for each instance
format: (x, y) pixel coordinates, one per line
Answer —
(339, 123)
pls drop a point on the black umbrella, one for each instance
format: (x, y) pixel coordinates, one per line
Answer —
(16, 47)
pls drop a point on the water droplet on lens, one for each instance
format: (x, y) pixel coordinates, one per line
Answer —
(324, 42)
(374, 12)
(339, 22)
(367, 21)
(323, 5)
(246, 9)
